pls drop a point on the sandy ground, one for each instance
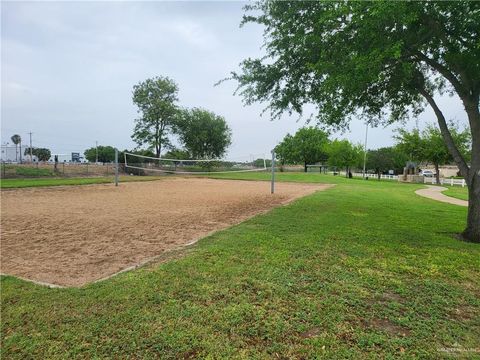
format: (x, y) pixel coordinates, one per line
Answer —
(435, 193)
(74, 235)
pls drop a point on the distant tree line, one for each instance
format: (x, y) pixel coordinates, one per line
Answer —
(311, 145)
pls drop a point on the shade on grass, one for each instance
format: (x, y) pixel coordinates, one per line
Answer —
(366, 269)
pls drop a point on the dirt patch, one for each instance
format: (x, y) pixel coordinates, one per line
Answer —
(463, 313)
(389, 297)
(387, 326)
(313, 332)
(74, 235)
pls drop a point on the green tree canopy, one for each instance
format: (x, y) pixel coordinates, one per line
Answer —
(105, 154)
(380, 60)
(307, 146)
(203, 134)
(42, 154)
(437, 152)
(179, 154)
(344, 154)
(284, 151)
(260, 163)
(428, 146)
(410, 143)
(386, 158)
(156, 101)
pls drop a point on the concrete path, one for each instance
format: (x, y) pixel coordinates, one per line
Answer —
(435, 193)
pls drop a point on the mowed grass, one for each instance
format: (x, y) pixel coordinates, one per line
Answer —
(457, 192)
(22, 183)
(366, 269)
(24, 171)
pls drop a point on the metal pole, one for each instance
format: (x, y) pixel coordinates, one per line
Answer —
(272, 190)
(31, 150)
(116, 167)
(365, 152)
(96, 152)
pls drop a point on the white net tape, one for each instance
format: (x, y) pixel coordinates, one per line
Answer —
(254, 162)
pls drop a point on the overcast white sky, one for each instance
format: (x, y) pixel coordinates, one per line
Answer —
(68, 68)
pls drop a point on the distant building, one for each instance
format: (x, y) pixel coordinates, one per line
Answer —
(76, 157)
(10, 154)
(445, 170)
(27, 159)
(72, 157)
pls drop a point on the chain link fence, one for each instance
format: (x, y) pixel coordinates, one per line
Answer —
(49, 169)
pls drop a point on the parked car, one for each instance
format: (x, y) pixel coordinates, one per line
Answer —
(427, 173)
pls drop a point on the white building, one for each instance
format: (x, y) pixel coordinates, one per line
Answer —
(10, 153)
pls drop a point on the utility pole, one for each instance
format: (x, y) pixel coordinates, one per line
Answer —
(31, 149)
(365, 152)
(96, 152)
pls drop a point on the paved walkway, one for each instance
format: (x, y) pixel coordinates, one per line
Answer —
(435, 193)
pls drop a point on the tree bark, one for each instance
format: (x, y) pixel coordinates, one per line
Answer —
(472, 173)
(472, 232)
(437, 173)
(305, 166)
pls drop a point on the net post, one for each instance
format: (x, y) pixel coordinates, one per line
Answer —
(116, 167)
(272, 189)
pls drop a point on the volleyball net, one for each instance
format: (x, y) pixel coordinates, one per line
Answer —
(146, 164)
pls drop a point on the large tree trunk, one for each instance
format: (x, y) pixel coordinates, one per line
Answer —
(305, 166)
(472, 173)
(437, 173)
(472, 232)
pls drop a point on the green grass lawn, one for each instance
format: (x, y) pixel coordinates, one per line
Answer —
(366, 269)
(457, 192)
(33, 172)
(21, 183)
